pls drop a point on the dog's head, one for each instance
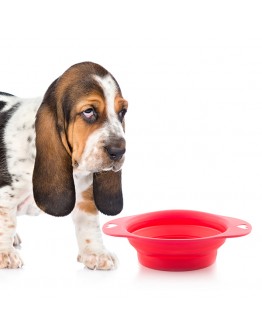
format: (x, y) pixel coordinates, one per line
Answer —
(80, 129)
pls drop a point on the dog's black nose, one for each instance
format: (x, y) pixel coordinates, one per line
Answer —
(116, 150)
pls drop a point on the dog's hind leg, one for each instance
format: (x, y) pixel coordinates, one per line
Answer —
(9, 257)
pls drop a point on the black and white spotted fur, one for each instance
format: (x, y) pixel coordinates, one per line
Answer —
(17, 155)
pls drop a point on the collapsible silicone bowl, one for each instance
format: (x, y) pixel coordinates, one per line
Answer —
(177, 240)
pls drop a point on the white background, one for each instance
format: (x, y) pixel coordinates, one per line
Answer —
(192, 73)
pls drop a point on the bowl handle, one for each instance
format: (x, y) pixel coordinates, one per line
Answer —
(236, 228)
(117, 227)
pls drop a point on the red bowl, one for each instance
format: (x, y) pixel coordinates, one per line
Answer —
(177, 240)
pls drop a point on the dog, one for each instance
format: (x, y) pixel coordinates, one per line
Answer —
(63, 154)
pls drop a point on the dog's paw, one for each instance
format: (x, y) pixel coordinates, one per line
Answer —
(100, 261)
(10, 260)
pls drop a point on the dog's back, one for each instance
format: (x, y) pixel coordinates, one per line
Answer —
(17, 144)
(17, 150)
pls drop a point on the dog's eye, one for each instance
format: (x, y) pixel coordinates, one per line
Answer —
(121, 114)
(90, 115)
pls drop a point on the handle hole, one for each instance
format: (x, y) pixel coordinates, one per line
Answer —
(111, 225)
(243, 226)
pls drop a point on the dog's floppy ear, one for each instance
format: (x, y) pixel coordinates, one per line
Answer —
(53, 183)
(107, 188)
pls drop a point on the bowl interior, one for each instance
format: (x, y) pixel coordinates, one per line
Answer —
(177, 227)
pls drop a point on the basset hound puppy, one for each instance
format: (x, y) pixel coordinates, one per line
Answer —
(63, 154)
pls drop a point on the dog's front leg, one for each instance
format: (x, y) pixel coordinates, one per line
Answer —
(92, 252)
(9, 257)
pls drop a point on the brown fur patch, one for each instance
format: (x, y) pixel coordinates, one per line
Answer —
(88, 204)
(79, 130)
(120, 103)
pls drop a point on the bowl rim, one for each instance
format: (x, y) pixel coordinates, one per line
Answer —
(120, 227)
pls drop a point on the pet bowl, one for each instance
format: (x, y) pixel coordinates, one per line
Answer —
(177, 240)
